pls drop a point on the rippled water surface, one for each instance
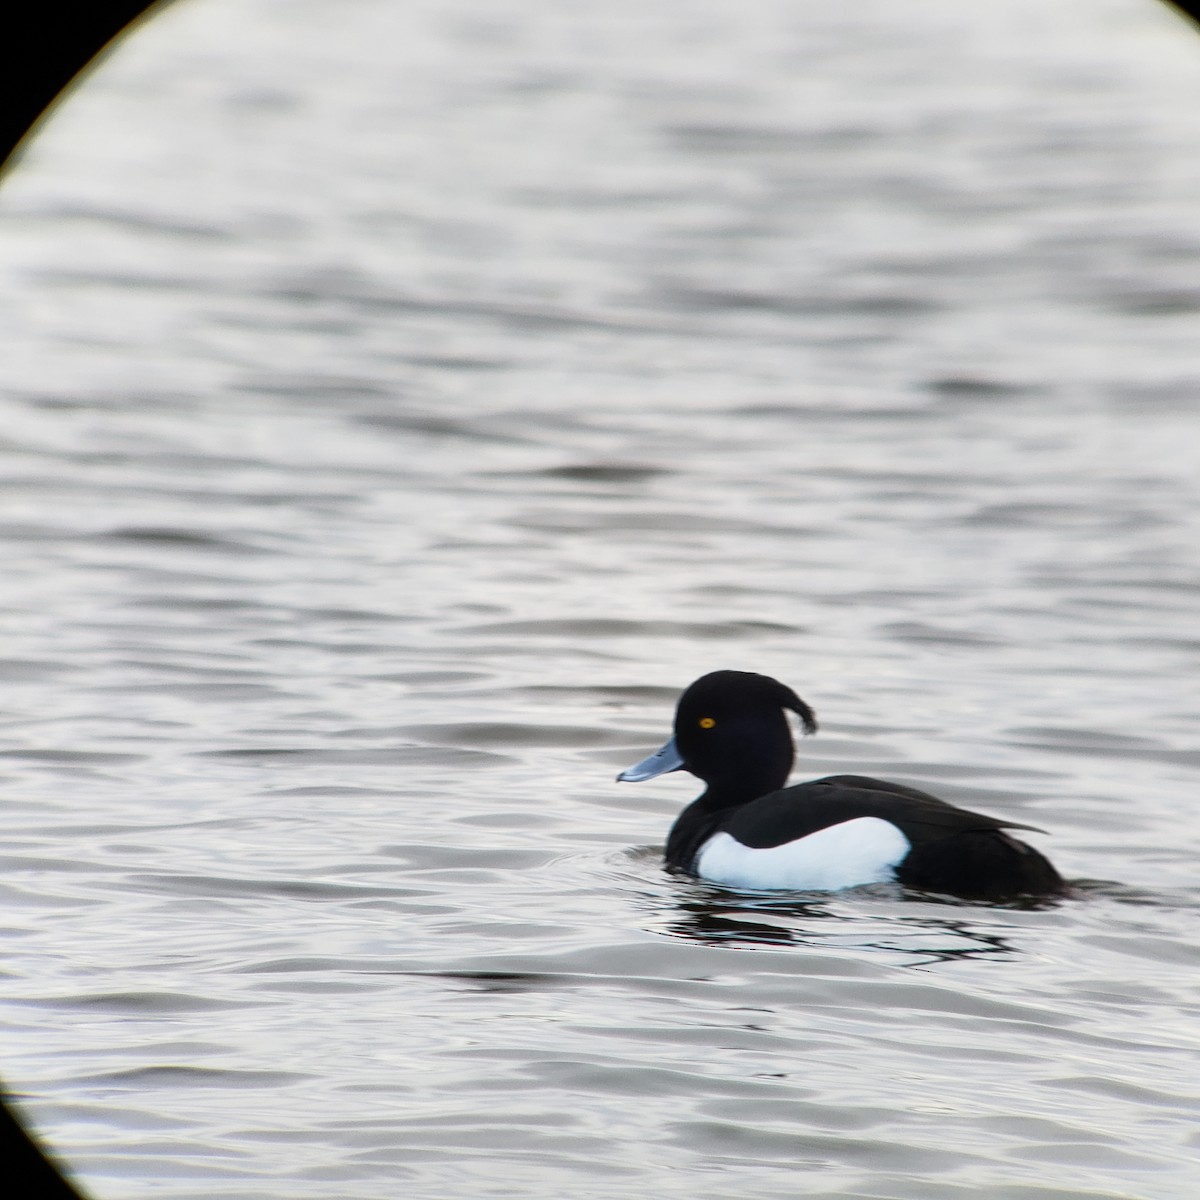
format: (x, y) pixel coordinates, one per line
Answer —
(403, 400)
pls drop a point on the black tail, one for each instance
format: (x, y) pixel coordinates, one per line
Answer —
(980, 864)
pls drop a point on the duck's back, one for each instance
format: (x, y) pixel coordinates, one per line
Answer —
(805, 808)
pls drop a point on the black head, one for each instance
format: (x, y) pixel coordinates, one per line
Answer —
(731, 730)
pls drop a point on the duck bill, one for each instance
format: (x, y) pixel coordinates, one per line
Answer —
(659, 763)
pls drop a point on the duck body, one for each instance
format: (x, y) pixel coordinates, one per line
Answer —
(749, 831)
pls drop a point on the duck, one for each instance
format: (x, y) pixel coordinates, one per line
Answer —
(748, 831)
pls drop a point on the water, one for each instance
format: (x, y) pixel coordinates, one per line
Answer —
(404, 401)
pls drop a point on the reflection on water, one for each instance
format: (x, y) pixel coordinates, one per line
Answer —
(740, 921)
(401, 402)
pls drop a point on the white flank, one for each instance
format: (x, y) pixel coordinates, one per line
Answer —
(864, 850)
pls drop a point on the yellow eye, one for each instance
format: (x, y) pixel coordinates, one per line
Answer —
(707, 722)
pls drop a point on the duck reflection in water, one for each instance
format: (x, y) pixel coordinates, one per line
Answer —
(719, 918)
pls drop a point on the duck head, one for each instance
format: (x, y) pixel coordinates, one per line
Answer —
(731, 730)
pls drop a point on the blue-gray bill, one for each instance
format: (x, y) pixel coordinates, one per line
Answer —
(659, 763)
